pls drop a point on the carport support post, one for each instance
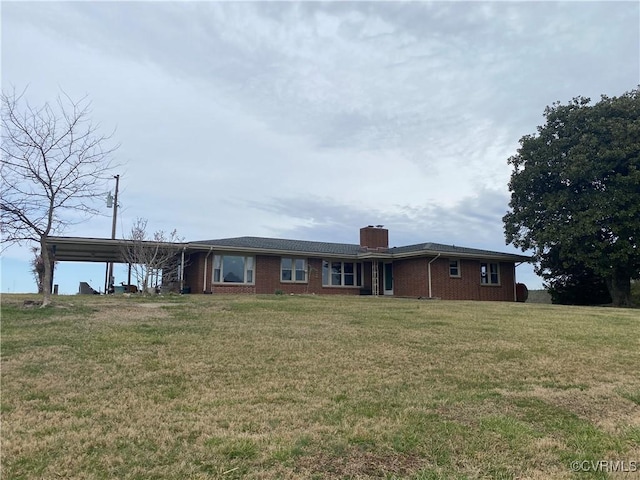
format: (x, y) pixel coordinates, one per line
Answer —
(182, 272)
(53, 268)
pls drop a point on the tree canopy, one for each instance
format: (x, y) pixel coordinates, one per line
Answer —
(575, 191)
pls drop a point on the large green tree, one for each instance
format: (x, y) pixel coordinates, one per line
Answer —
(573, 284)
(575, 191)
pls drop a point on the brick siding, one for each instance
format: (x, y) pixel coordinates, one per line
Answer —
(410, 279)
(194, 272)
(267, 279)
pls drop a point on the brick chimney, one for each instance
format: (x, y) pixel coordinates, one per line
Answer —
(374, 237)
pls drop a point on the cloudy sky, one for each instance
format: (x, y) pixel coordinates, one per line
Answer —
(310, 120)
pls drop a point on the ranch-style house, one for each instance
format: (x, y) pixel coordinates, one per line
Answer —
(257, 265)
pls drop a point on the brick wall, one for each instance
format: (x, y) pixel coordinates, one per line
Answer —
(468, 286)
(233, 289)
(267, 278)
(410, 279)
(194, 271)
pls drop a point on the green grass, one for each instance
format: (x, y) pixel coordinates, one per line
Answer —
(302, 387)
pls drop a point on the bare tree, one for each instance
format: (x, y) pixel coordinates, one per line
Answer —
(37, 268)
(150, 255)
(54, 165)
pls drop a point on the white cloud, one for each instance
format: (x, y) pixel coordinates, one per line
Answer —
(282, 118)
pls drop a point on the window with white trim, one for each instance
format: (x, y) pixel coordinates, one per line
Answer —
(336, 273)
(232, 269)
(454, 267)
(490, 274)
(293, 270)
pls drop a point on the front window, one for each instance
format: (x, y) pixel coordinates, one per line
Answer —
(341, 274)
(489, 274)
(293, 270)
(348, 274)
(232, 269)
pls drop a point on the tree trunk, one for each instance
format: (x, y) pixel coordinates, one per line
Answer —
(48, 273)
(619, 285)
(145, 281)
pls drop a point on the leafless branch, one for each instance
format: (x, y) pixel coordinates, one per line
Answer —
(152, 256)
(54, 161)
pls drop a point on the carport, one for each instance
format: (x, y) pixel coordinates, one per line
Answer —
(100, 250)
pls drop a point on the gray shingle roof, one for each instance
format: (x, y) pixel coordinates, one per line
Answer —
(303, 246)
(449, 249)
(349, 250)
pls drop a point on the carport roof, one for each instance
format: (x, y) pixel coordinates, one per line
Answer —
(85, 249)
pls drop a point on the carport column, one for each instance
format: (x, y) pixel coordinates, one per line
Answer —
(182, 272)
(53, 267)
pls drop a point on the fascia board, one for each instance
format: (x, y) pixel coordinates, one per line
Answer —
(483, 256)
(264, 251)
(105, 242)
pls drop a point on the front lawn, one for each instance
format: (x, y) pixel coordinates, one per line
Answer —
(299, 387)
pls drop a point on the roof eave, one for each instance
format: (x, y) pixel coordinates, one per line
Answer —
(365, 255)
(452, 254)
(265, 251)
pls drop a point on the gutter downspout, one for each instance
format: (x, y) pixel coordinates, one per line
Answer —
(515, 283)
(429, 269)
(204, 276)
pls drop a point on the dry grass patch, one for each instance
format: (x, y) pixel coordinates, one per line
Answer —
(356, 463)
(314, 387)
(601, 405)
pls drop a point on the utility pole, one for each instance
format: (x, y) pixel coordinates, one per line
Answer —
(112, 201)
